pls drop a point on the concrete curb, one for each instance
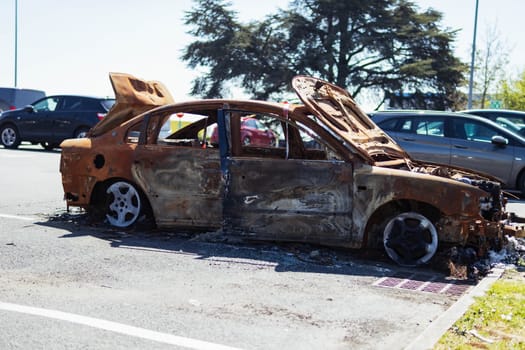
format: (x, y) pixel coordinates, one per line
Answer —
(433, 332)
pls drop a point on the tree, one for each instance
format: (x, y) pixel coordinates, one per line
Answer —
(513, 93)
(386, 45)
(490, 63)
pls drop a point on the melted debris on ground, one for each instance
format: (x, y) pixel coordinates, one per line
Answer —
(464, 264)
(458, 262)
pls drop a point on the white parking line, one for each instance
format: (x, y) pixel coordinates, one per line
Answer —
(17, 155)
(116, 327)
(17, 217)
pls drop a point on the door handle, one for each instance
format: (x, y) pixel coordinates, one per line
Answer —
(460, 146)
(407, 139)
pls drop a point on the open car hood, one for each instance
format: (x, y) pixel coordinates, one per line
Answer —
(338, 111)
(133, 96)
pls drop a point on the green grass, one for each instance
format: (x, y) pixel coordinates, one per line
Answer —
(494, 321)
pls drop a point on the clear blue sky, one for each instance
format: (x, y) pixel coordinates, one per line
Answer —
(69, 46)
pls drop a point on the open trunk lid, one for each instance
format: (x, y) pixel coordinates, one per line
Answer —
(133, 96)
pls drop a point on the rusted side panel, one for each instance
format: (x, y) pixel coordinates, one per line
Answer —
(376, 187)
(81, 169)
(290, 200)
(184, 185)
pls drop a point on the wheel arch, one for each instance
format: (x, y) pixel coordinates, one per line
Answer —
(79, 128)
(520, 181)
(373, 233)
(10, 123)
(97, 199)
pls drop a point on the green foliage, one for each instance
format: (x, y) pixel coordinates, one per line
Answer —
(499, 316)
(385, 45)
(513, 93)
(490, 64)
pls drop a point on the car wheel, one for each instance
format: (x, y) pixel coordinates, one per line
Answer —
(246, 141)
(49, 146)
(9, 137)
(123, 204)
(410, 239)
(80, 133)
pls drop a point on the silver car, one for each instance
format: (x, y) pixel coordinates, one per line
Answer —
(510, 119)
(460, 140)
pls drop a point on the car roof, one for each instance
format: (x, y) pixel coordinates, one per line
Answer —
(80, 96)
(431, 113)
(411, 112)
(494, 110)
(496, 113)
(333, 106)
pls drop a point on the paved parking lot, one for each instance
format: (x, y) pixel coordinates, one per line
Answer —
(66, 283)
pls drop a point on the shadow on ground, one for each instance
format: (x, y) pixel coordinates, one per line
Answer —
(217, 246)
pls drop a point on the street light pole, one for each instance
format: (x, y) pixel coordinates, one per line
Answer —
(471, 81)
(16, 43)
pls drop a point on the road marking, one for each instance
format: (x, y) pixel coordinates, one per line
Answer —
(17, 217)
(116, 327)
(18, 155)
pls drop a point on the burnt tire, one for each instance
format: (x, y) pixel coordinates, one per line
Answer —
(124, 204)
(410, 239)
(9, 136)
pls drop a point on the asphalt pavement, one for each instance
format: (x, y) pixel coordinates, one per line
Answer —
(184, 289)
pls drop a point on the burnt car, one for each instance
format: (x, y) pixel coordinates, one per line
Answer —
(357, 188)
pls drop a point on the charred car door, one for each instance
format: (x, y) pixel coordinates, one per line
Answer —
(181, 178)
(283, 192)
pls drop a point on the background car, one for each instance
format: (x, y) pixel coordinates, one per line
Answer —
(458, 139)
(512, 120)
(51, 120)
(13, 98)
(253, 132)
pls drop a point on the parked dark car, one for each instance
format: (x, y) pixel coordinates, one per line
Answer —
(13, 98)
(357, 188)
(51, 120)
(512, 120)
(459, 139)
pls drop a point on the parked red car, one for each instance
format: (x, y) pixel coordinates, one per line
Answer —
(253, 132)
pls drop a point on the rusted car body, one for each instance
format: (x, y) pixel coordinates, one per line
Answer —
(357, 188)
